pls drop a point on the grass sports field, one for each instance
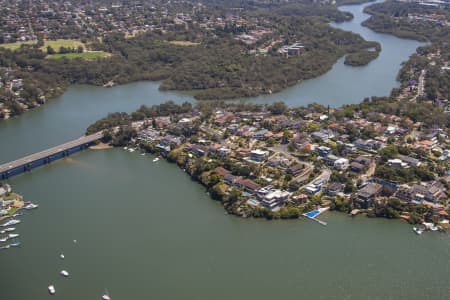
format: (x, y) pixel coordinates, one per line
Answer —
(84, 55)
(56, 44)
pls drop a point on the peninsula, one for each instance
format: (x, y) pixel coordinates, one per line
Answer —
(277, 162)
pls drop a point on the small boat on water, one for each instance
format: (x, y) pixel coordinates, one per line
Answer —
(155, 159)
(143, 154)
(9, 229)
(417, 230)
(106, 296)
(17, 215)
(64, 273)
(13, 235)
(125, 148)
(4, 239)
(11, 222)
(5, 247)
(16, 244)
(31, 206)
(61, 256)
(51, 289)
(131, 150)
(75, 241)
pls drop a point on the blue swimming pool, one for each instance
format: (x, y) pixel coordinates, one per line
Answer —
(313, 213)
(253, 202)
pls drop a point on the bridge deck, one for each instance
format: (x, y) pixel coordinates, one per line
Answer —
(51, 151)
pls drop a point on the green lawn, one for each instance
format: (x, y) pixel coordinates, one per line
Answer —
(54, 44)
(84, 55)
(62, 43)
(14, 46)
(184, 43)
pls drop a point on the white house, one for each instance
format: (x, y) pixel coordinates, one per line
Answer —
(341, 163)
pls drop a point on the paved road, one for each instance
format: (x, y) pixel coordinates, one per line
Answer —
(36, 156)
(421, 86)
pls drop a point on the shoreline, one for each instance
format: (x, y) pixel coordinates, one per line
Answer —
(354, 213)
(101, 146)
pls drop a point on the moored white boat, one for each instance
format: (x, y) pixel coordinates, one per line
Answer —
(13, 235)
(16, 244)
(418, 230)
(11, 222)
(31, 206)
(106, 296)
(51, 289)
(61, 256)
(4, 239)
(64, 273)
(9, 229)
(155, 159)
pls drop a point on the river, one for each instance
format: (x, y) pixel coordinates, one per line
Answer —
(144, 230)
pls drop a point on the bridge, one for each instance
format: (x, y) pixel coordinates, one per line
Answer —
(35, 160)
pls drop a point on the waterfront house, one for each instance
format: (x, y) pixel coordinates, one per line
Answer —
(431, 192)
(275, 199)
(197, 150)
(367, 194)
(313, 189)
(5, 189)
(230, 178)
(247, 184)
(222, 171)
(335, 188)
(301, 198)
